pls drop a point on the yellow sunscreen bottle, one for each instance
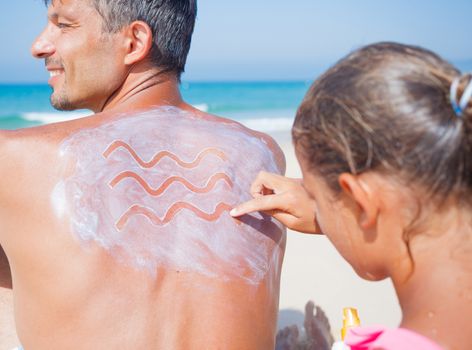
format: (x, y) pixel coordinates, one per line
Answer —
(350, 320)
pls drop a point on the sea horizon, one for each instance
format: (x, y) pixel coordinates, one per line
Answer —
(267, 105)
(263, 105)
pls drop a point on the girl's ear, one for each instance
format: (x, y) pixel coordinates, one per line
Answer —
(363, 196)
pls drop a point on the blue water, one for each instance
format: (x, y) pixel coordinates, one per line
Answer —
(262, 105)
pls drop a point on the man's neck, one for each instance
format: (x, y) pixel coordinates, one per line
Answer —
(143, 90)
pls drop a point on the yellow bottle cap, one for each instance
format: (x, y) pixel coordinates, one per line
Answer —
(350, 320)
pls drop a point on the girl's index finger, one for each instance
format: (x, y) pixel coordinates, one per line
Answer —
(261, 203)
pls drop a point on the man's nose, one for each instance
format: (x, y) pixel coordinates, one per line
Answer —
(42, 47)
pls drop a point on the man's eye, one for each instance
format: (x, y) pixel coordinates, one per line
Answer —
(63, 25)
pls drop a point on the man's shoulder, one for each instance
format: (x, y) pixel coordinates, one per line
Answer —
(11, 165)
(9, 140)
(14, 142)
(28, 161)
(26, 149)
(266, 139)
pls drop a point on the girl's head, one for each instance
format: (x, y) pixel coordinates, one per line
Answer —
(380, 143)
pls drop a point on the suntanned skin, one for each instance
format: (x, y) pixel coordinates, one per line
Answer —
(68, 297)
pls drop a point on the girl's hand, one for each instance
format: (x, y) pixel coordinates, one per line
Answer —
(283, 198)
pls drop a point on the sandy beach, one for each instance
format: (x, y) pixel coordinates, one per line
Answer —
(313, 270)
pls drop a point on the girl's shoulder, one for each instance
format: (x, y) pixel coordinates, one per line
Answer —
(382, 338)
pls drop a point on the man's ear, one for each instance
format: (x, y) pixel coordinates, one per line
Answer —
(363, 195)
(139, 41)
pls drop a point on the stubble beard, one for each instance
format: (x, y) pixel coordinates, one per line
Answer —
(60, 101)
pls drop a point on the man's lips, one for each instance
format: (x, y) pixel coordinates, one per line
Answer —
(54, 72)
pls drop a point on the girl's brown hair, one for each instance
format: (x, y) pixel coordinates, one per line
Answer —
(386, 107)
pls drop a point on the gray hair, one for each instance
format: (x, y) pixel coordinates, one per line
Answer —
(171, 21)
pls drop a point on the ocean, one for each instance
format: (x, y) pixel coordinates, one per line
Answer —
(263, 106)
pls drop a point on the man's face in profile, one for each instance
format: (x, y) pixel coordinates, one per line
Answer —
(83, 61)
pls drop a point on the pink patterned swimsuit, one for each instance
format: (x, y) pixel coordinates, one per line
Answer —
(376, 338)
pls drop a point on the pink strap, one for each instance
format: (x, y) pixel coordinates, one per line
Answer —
(370, 338)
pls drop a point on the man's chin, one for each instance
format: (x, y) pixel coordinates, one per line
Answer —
(61, 103)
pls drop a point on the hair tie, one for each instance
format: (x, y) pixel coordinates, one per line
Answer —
(460, 107)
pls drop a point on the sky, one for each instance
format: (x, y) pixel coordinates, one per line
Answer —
(271, 39)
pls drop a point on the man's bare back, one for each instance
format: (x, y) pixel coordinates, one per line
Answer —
(118, 234)
(116, 226)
